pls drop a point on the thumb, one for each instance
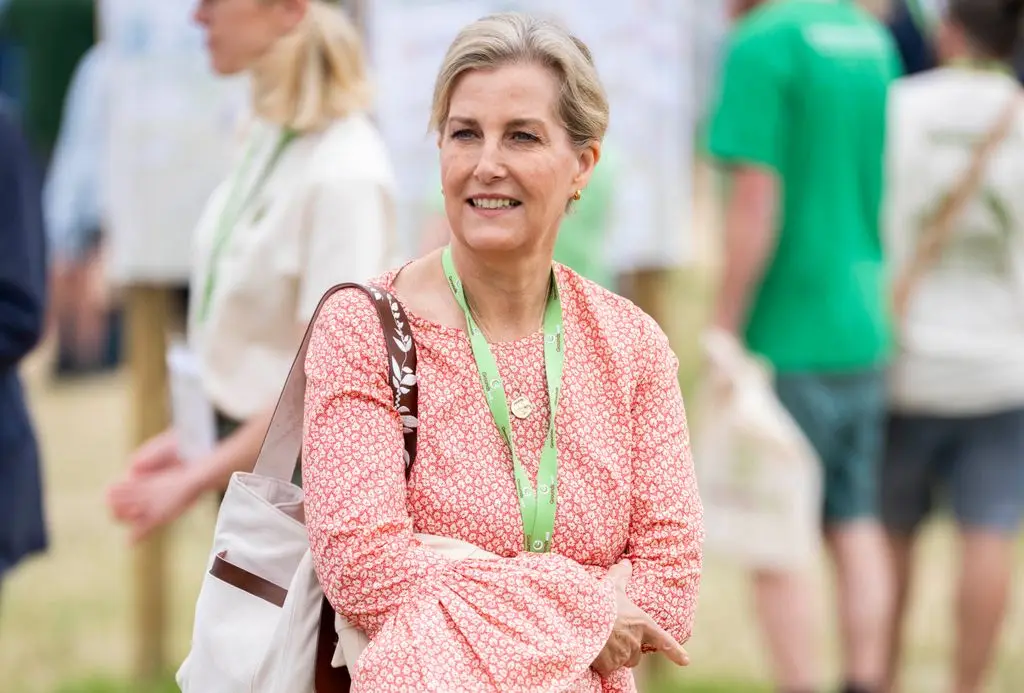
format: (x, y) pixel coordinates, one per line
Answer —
(620, 574)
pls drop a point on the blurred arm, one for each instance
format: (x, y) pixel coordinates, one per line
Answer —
(750, 233)
(749, 136)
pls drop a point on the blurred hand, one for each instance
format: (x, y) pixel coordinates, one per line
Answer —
(157, 454)
(150, 501)
(634, 631)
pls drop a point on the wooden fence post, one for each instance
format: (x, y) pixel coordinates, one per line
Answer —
(148, 314)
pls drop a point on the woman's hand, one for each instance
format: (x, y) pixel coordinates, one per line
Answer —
(157, 488)
(634, 632)
(150, 501)
(157, 454)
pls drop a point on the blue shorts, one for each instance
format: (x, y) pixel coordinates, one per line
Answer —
(976, 464)
(843, 417)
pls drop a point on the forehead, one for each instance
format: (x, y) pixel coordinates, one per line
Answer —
(507, 92)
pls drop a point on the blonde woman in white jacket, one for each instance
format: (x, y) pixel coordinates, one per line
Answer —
(308, 205)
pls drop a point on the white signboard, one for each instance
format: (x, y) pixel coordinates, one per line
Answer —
(644, 53)
(173, 127)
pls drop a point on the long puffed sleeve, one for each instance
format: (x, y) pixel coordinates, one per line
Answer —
(526, 623)
(667, 524)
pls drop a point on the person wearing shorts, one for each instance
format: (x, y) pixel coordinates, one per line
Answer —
(800, 125)
(956, 431)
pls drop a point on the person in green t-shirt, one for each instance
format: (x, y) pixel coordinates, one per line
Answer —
(799, 123)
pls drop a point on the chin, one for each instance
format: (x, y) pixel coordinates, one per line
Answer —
(490, 239)
(225, 68)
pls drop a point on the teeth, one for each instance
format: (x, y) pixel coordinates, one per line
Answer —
(493, 203)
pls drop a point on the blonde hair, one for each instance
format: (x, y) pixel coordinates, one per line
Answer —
(314, 74)
(514, 37)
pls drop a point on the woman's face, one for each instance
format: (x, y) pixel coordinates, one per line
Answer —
(508, 167)
(238, 32)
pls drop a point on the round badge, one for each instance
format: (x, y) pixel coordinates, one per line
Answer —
(522, 408)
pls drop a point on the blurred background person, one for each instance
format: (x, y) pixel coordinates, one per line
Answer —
(50, 37)
(43, 42)
(309, 204)
(957, 385)
(22, 308)
(800, 126)
(88, 326)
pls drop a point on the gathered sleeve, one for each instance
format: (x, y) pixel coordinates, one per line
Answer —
(528, 623)
(667, 525)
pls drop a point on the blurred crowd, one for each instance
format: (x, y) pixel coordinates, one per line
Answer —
(873, 250)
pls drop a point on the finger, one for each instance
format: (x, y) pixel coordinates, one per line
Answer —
(659, 638)
(634, 659)
(620, 573)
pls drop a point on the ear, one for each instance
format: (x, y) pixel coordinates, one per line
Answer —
(292, 12)
(586, 160)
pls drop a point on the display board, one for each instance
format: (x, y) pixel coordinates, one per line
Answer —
(173, 131)
(645, 55)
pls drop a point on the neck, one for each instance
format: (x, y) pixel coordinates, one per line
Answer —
(507, 298)
(271, 83)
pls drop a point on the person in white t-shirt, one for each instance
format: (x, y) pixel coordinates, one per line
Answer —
(308, 205)
(957, 384)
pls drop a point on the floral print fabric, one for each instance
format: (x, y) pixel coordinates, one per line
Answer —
(523, 622)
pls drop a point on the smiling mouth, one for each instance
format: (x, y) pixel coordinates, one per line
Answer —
(493, 203)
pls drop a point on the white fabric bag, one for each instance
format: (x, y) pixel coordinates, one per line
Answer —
(262, 624)
(759, 477)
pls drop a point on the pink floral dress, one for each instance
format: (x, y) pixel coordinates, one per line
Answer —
(524, 622)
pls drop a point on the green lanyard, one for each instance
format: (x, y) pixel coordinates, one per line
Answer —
(234, 206)
(536, 507)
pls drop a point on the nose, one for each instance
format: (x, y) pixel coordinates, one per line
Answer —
(491, 165)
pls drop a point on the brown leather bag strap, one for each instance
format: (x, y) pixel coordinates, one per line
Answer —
(402, 379)
(282, 445)
(937, 235)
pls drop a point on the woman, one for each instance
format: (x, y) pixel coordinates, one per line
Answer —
(606, 565)
(307, 206)
(957, 384)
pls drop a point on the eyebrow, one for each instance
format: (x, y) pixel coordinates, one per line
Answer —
(514, 123)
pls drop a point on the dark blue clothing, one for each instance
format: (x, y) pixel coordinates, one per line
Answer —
(915, 48)
(22, 307)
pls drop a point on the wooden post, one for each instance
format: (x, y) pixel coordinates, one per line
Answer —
(148, 314)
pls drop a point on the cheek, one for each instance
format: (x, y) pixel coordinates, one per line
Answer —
(547, 177)
(456, 166)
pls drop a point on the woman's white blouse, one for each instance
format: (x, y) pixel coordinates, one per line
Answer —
(323, 215)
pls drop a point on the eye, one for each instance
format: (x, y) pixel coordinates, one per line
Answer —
(521, 136)
(463, 134)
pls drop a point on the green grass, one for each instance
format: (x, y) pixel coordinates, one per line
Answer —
(103, 685)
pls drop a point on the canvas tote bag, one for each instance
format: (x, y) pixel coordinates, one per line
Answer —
(262, 623)
(759, 477)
